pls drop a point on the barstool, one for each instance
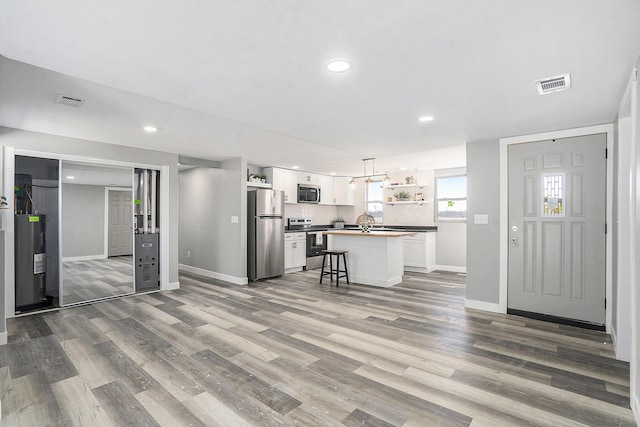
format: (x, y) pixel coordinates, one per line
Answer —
(337, 270)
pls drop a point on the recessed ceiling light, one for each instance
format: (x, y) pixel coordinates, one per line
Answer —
(403, 169)
(333, 173)
(338, 66)
(71, 177)
(425, 119)
(295, 167)
(150, 129)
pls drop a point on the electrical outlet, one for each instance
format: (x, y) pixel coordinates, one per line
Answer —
(234, 219)
(188, 254)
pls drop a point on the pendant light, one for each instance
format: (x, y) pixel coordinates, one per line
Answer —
(369, 177)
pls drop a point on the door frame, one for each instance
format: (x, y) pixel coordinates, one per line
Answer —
(106, 214)
(8, 171)
(607, 129)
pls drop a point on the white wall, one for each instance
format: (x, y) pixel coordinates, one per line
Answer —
(483, 243)
(635, 246)
(210, 243)
(621, 304)
(82, 221)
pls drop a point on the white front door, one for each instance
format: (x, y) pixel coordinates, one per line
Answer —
(557, 228)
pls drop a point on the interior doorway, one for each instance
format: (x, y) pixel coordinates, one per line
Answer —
(119, 223)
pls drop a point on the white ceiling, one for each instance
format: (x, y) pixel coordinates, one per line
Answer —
(246, 78)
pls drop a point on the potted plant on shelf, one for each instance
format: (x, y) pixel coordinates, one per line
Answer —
(402, 196)
(338, 222)
(254, 177)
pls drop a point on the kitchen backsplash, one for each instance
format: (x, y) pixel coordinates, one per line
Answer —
(320, 214)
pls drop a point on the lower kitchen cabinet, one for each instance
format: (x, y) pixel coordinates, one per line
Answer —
(420, 252)
(295, 251)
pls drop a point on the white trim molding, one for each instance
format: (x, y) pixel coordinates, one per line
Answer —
(451, 268)
(504, 202)
(3, 338)
(482, 305)
(171, 286)
(213, 274)
(83, 257)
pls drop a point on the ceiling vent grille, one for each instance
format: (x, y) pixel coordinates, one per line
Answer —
(553, 84)
(70, 101)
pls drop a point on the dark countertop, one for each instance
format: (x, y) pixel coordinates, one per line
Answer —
(381, 227)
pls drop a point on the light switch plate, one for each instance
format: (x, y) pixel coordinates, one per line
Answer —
(481, 219)
(234, 219)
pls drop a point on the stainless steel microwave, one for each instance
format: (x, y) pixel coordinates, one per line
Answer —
(308, 193)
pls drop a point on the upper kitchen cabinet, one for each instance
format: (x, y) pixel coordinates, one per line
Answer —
(308, 178)
(284, 180)
(326, 189)
(343, 193)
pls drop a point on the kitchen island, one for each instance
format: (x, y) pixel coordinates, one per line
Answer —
(375, 258)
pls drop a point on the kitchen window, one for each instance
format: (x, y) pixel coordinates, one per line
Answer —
(451, 198)
(375, 200)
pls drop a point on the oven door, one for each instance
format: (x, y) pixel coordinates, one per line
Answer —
(316, 243)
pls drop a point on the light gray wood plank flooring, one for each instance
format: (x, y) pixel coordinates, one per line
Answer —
(100, 278)
(289, 351)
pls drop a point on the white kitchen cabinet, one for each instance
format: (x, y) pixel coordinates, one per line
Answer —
(420, 252)
(326, 189)
(343, 193)
(308, 178)
(295, 251)
(284, 180)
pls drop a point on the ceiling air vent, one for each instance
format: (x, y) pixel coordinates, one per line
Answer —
(554, 84)
(68, 100)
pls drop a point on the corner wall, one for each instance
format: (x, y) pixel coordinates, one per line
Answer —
(211, 244)
(483, 240)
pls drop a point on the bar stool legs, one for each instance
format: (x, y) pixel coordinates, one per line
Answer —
(337, 270)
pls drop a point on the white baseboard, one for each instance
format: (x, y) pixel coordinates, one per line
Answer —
(83, 257)
(483, 305)
(420, 269)
(635, 407)
(171, 286)
(214, 275)
(380, 283)
(451, 268)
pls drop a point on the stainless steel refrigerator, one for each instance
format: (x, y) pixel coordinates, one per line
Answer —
(265, 233)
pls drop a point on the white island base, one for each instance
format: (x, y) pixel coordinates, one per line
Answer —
(375, 258)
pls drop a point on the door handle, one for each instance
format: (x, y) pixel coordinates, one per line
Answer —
(514, 240)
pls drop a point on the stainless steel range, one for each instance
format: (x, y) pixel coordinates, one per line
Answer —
(316, 241)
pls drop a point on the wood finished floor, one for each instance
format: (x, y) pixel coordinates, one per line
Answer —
(292, 352)
(99, 278)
